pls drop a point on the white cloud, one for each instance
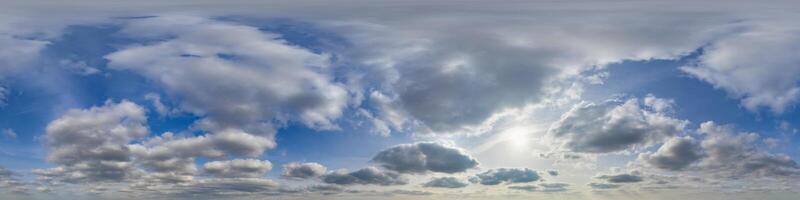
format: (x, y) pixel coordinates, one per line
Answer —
(9, 133)
(238, 78)
(758, 65)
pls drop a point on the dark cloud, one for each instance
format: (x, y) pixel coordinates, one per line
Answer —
(446, 182)
(303, 170)
(366, 176)
(733, 155)
(621, 178)
(603, 186)
(613, 126)
(528, 188)
(552, 172)
(675, 154)
(506, 175)
(425, 157)
(237, 168)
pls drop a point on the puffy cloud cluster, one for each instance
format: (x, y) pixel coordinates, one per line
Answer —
(735, 155)
(366, 176)
(9, 181)
(91, 144)
(445, 182)
(614, 126)
(303, 170)
(251, 168)
(425, 157)
(723, 153)
(506, 175)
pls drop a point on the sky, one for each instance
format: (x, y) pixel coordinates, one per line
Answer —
(357, 99)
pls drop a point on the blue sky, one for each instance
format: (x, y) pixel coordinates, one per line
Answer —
(412, 100)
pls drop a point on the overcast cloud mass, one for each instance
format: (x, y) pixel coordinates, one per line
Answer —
(355, 99)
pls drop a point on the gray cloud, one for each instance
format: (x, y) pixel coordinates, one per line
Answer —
(425, 157)
(675, 154)
(91, 144)
(552, 172)
(620, 178)
(446, 182)
(506, 175)
(603, 186)
(554, 187)
(366, 176)
(543, 187)
(735, 156)
(613, 126)
(303, 170)
(251, 168)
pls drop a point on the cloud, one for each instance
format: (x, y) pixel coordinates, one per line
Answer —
(9, 133)
(303, 170)
(620, 178)
(506, 175)
(425, 157)
(446, 182)
(543, 187)
(613, 126)
(9, 180)
(554, 187)
(528, 188)
(238, 85)
(250, 168)
(675, 154)
(91, 144)
(366, 176)
(734, 155)
(756, 64)
(552, 172)
(603, 186)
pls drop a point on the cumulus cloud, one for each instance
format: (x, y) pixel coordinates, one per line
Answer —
(237, 78)
(675, 154)
(366, 176)
(621, 178)
(9, 180)
(238, 168)
(613, 126)
(446, 182)
(91, 144)
(506, 175)
(735, 155)
(756, 64)
(528, 188)
(303, 170)
(425, 157)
